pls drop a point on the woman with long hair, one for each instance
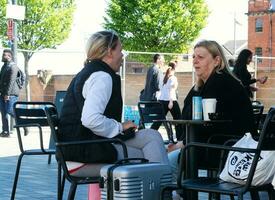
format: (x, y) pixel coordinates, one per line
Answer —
(168, 95)
(241, 72)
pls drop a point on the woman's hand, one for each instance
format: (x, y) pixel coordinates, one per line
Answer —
(170, 105)
(173, 147)
(262, 80)
(128, 124)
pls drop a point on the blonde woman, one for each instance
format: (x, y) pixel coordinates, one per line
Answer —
(92, 110)
(215, 80)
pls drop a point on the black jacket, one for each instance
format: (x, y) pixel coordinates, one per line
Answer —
(71, 128)
(154, 80)
(8, 75)
(232, 101)
(245, 77)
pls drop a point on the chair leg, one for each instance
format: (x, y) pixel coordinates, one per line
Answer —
(59, 183)
(72, 191)
(240, 197)
(271, 194)
(16, 176)
(50, 159)
(254, 195)
(215, 196)
(62, 185)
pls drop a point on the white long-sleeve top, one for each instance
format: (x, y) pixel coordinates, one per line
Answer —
(97, 91)
(168, 90)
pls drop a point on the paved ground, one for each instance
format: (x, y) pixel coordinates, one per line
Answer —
(37, 179)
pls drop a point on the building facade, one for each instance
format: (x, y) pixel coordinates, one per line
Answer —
(261, 31)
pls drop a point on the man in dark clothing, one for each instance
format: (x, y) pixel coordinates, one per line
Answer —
(9, 89)
(154, 80)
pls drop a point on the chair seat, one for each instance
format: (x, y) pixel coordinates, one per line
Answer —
(84, 170)
(216, 185)
(39, 151)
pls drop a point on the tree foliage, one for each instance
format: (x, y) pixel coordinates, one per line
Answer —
(157, 25)
(47, 24)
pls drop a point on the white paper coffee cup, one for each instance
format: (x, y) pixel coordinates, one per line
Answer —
(208, 106)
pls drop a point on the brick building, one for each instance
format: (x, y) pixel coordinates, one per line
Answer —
(261, 30)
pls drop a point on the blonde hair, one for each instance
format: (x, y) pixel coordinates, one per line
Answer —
(98, 44)
(215, 50)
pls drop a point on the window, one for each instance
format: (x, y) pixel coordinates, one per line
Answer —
(185, 57)
(259, 25)
(137, 70)
(259, 52)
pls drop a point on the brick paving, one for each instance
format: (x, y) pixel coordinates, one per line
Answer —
(37, 179)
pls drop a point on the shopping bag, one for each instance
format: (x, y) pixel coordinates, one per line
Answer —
(238, 164)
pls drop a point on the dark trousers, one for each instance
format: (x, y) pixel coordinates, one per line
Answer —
(6, 108)
(175, 112)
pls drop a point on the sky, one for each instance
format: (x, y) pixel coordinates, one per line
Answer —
(88, 18)
(220, 24)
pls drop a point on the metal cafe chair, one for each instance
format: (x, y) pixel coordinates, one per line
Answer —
(214, 184)
(30, 115)
(58, 102)
(258, 109)
(150, 111)
(53, 120)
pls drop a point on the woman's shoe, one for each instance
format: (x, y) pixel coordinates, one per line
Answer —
(5, 134)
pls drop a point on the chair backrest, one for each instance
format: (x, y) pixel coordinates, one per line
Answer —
(59, 98)
(265, 142)
(30, 113)
(150, 111)
(267, 134)
(53, 120)
(258, 109)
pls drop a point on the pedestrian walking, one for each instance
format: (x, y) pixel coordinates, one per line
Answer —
(9, 90)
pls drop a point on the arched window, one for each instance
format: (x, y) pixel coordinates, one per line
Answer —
(259, 25)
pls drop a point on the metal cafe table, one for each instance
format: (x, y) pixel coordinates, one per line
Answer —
(191, 170)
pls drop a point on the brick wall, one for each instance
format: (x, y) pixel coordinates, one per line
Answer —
(259, 9)
(135, 83)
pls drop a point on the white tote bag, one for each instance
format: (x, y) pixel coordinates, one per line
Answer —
(238, 164)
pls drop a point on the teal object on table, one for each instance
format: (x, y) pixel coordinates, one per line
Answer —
(131, 114)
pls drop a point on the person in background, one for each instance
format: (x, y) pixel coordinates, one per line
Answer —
(154, 80)
(168, 97)
(241, 72)
(92, 109)
(231, 63)
(215, 80)
(9, 90)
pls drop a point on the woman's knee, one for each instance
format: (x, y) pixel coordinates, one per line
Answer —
(149, 134)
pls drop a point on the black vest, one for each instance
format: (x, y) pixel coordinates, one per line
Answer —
(71, 128)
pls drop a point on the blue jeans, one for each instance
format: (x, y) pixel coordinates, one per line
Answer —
(173, 161)
(6, 107)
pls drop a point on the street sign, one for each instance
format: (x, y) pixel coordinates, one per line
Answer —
(10, 29)
(15, 12)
